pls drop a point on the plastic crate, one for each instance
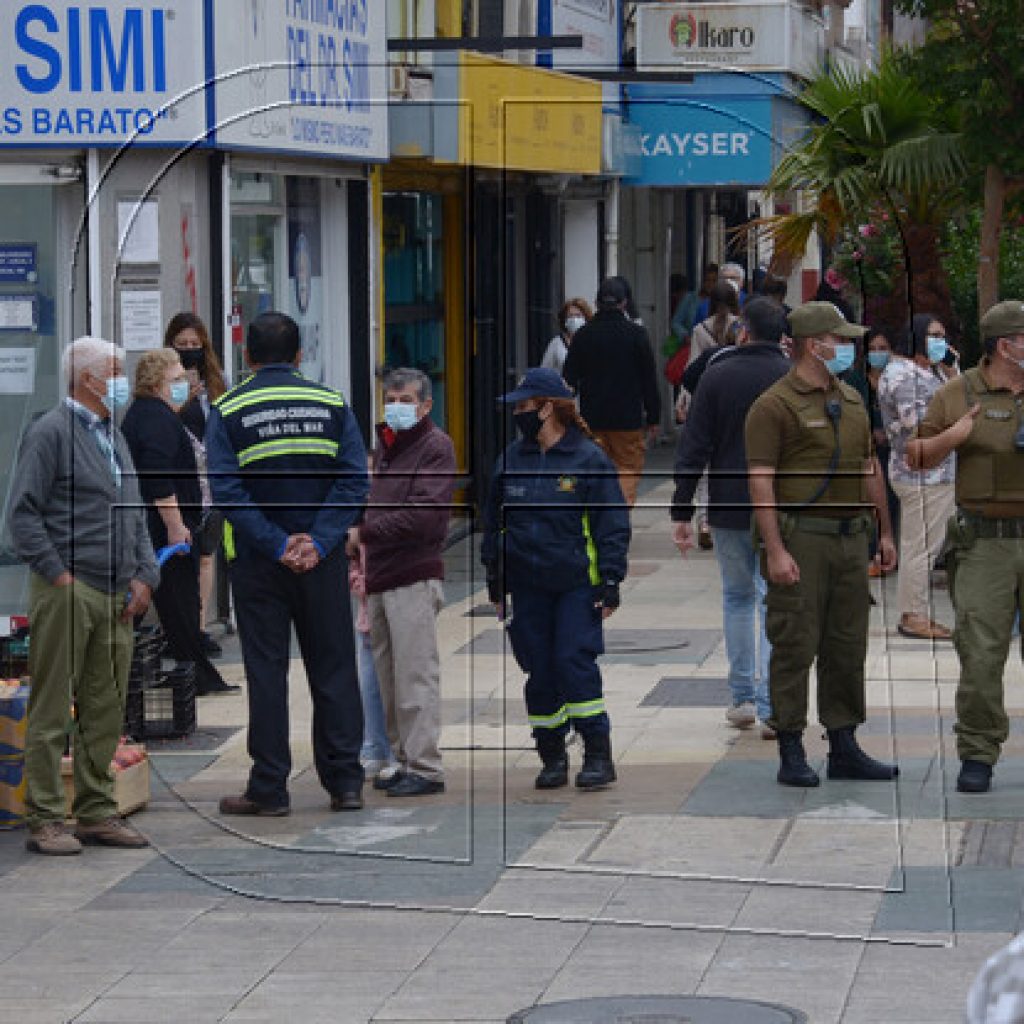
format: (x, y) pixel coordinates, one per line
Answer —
(146, 651)
(164, 710)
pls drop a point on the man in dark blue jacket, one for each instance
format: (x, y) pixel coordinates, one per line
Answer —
(556, 537)
(733, 379)
(288, 469)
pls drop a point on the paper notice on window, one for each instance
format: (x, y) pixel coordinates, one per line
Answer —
(17, 371)
(18, 313)
(138, 231)
(141, 320)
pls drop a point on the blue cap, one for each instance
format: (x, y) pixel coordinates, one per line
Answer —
(539, 382)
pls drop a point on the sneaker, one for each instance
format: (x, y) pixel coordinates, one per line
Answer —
(411, 784)
(742, 715)
(111, 832)
(387, 777)
(211, 648)
(53, 839)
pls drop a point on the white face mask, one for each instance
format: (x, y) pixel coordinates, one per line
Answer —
(574, 323)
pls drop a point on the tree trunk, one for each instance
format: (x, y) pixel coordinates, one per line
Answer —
(988, 249)
(930, 285)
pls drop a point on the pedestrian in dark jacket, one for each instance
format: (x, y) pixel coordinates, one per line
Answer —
(169, 483)
(714, 440)
(556, 536)
(403, 534)
(611, 364)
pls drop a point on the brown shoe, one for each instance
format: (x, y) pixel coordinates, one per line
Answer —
(917, 628)
(112, 832)
(54, 840)
(242, 805)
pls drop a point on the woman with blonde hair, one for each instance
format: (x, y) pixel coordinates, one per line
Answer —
(169, 483)
(571, 317)
(556, 536)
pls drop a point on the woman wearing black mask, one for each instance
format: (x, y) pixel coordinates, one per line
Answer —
(187, 335)
(556, 536)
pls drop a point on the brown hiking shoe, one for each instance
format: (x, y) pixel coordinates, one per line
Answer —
(53, 839)
(244, 806)
(112, 832)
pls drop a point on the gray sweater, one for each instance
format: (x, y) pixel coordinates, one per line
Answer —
(62, 511)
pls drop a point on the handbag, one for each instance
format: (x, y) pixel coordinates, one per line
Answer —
(676, 366)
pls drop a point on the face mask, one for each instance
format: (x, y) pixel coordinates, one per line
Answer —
(179, 392)
(192, 358)
(574, 323)
(842, 360)
(118, 393)
(878, 359)
(400, 415)
(937, 349)
(528, 424)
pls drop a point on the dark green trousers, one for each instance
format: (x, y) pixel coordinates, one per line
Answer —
(823, 619)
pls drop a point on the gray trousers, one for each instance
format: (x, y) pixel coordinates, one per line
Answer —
(403, 632)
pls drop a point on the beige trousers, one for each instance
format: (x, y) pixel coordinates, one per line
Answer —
(403, 633)
(924, 511)
(627, 450)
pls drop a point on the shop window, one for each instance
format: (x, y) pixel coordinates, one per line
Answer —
(414, 313)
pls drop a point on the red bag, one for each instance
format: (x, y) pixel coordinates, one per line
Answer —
(676, 366)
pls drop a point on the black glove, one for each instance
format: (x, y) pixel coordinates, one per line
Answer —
(608, 594)
(495, 587)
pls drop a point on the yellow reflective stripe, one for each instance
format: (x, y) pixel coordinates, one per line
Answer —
(592, 567)
(586, 709)
(229, 542)
(560, 717)
(278, 394)
(287, 446)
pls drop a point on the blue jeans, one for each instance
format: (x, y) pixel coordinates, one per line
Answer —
(743, 597)
(375, 736)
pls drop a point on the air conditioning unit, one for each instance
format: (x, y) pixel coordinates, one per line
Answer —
(398, 81)
(855, 41)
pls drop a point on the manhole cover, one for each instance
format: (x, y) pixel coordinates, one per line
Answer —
(658, 1010)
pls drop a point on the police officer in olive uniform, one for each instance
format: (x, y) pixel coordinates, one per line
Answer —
(979, 415)
(816, 487)
(288, 469)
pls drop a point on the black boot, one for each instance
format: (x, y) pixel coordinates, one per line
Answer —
(555, 772)
(793, 767)
(974, 777)
(847, 761)
(598, 770)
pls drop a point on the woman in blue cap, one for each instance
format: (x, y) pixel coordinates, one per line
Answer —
(556, 536)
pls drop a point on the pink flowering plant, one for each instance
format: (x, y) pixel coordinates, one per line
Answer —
(867, 260)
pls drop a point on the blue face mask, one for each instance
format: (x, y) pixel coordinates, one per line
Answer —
(400, 416)
(843, 358)
(179, 392)
(878, 359)
(118, 394)
(937, 349)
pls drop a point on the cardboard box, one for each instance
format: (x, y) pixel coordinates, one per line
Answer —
(12, 790)
(131, 785)
(13, 718)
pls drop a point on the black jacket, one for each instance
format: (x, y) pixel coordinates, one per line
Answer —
(713, 434)
(165, 462)
(556, 520)
(611, 362)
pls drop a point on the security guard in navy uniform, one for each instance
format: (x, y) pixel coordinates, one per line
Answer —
(288, 469)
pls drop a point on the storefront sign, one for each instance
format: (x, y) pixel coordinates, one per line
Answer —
(771, 35)
(525, 119)
(701, 140)
(305, 76)
(17, 264)
(19, 313)
(17, 371)
(101, 74)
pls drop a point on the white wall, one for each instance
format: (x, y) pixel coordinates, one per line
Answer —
(581, 243)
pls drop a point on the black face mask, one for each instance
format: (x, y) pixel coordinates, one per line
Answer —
(528, 423)
(192, 358)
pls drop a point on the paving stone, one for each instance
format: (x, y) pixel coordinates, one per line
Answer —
(688, 691)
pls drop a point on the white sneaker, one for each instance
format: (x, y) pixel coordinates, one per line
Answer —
(742, 715)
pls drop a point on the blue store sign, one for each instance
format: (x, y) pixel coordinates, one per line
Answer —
(693, 138)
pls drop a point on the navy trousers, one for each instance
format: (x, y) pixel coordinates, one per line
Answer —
(556, 639)
(269, 599)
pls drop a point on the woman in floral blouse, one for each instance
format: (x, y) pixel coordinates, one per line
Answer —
(926, 498)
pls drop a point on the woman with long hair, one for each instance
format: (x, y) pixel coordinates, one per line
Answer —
(571, 317)
(187, 335)
(556, 536)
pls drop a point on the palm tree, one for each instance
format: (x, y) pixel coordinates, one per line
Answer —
(878, 142)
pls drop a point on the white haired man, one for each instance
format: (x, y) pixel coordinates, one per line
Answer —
(77, 520)
(737, 277)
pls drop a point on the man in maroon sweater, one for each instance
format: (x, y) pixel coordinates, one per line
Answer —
(403, 534)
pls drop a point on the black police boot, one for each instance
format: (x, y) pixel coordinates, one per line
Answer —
(847, 761)
(793, 767)
(974, 777)
(598, 770)
(555, 772)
